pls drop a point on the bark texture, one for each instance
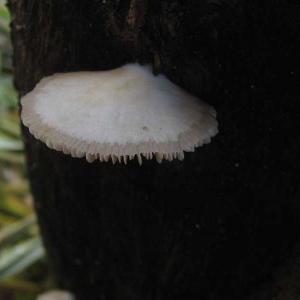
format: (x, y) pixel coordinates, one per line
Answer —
(210, 227)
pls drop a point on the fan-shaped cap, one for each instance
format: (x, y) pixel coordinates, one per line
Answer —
(118, 114)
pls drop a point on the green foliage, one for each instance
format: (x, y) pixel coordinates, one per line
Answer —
(21, 250)
(8, 96)
(17, 258)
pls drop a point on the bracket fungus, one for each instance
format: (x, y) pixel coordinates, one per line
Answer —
(117, 115)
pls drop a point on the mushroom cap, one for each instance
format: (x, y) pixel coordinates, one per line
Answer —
(118, 114)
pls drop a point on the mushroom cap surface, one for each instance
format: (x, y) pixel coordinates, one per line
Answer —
(118, 114)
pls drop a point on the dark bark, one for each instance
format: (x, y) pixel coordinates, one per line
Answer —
(211, 227)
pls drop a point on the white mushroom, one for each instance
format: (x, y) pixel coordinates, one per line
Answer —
(117, 115)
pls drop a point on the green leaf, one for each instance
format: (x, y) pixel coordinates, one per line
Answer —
(8, 95)
(4, 15)
(20, 189)
(16, 259)
(10, 145)
(12, 158)
(20, 285)
(10, 126)
(12, 233)
(11, 206)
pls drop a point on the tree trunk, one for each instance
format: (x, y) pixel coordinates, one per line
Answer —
(210, 227)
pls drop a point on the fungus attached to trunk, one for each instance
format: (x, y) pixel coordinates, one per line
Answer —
(118, 114)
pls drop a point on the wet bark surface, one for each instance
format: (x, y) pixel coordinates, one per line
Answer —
(210, 227)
